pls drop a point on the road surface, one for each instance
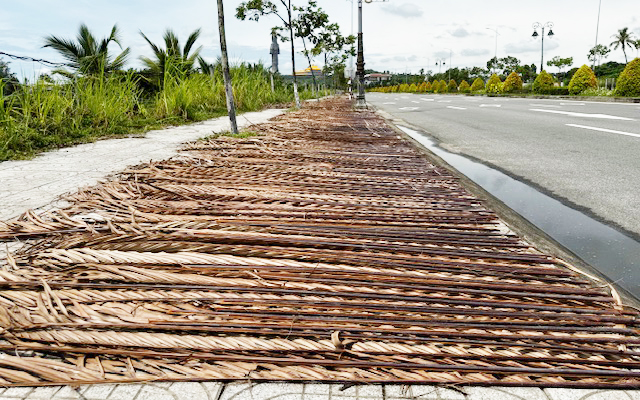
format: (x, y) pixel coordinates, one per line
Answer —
(587, 154)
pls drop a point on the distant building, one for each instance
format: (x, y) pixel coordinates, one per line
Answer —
(376, 78)
(317, 71)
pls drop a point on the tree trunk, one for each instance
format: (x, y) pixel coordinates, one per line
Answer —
(313, 76)
(293, 59)
(231, 108)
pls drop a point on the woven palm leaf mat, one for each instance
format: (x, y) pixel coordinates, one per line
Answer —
(326, 248)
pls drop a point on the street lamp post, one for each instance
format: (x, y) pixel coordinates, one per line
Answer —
(535, 34)
(496, 31)
(360, 99)
(440, 62)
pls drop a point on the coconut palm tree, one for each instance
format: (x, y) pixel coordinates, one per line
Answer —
(88, 56)
(624, 39)
(172, 60)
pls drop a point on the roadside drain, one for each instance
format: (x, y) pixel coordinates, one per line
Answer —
(614, 254)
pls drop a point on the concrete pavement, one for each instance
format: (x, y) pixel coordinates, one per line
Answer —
(32, 184)
(36, 183)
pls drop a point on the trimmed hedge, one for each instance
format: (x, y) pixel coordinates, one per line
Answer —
(583, 79)
(629, 81)
(512, 83)
(428, 88)
(477, 84)
(543, 83)
(464, 87)
(494, 85)
(453, 86)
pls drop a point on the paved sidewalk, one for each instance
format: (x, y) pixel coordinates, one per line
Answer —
(37, 183)
(284, 391)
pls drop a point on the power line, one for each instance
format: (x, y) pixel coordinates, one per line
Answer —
(31, 59)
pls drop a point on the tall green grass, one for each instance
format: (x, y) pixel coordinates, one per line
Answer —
(43, 115)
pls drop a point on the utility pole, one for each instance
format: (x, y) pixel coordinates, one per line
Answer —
(231, 107)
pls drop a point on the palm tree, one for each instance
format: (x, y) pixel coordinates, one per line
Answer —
(172, 60)
(624, 39)
(88, 56)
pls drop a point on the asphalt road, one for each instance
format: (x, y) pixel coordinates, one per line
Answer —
(586, 154)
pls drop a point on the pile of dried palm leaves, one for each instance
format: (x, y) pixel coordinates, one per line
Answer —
(324, 249)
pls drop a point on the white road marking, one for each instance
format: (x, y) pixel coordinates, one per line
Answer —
(444, 101)
(413, 101)
(572, 104)
(604, 130)
(545, 105)
(408, 108)
(575, 114)
(456, 108)
(423, 99)
(389, 102)
(490, 105)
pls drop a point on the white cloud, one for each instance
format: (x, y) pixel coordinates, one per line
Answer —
(460, 32)
(475, 52)
(530, 46)
(405, 10)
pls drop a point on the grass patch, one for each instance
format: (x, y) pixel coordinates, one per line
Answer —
(44, 116)
(239, 135)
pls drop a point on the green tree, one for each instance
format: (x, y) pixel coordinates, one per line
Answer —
(494, 85)
(312, 25)
(495, 64)
(255, 9)
(512, 83)
(597, 53)
(88, 56)
(623, 39)
(560, 62)
(528, 72)
(583, 79)
(509, 64)
(629, 81)
(543, 83)
(478, 84)
(172, 60)
(464, 87)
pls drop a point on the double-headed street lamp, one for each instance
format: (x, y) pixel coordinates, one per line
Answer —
(535, 34)
(440, 62)
(360, 99)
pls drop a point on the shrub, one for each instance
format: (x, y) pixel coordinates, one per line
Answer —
(629, 80)
(422, 88)
(413, 88)
(494, 85)
(464, 87)
(428, 88)
(559, 90)
(543, 83)
(443, 87)
(478, 84)
(512, 83)
(453, 86)
(583, 79)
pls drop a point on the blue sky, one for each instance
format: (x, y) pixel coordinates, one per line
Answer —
(399, 35)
